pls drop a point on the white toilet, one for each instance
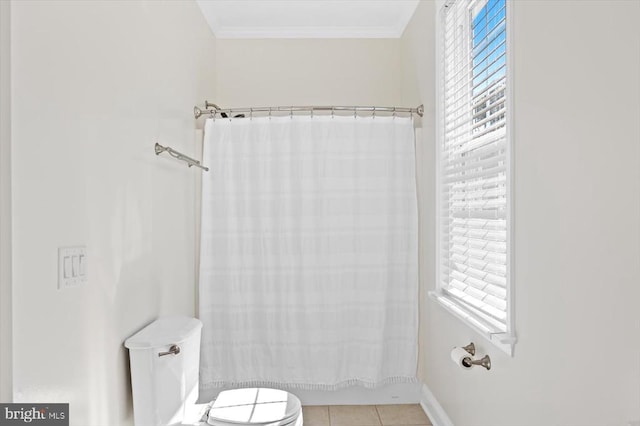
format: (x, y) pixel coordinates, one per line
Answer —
(165, 358)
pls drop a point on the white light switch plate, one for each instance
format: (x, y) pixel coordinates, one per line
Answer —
(72, 266)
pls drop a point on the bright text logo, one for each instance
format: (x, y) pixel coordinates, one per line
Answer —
(34, 414)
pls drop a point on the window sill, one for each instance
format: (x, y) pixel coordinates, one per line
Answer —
(503, 341)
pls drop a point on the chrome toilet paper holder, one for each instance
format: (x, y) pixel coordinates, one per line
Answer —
(471, 348)
(485, 361)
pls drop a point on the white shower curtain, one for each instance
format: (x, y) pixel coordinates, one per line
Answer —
(308, 265)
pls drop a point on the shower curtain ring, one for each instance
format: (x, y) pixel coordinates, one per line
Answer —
(291, 112)
(394, 112)
(230, 113)
(332, 110)
(250, 113)
(269, 113)
(374, 113)
(311, 112)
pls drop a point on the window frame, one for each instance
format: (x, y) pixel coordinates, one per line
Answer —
(505, 341)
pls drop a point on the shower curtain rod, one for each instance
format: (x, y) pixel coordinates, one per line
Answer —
(213, 109)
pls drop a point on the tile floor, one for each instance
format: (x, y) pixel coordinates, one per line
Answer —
(365, 415)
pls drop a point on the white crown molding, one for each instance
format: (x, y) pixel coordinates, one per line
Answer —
(308, 32)
(234, 25)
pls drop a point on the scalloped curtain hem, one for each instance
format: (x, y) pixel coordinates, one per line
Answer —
(310, 386)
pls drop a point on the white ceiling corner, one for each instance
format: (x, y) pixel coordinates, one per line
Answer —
(308, 18)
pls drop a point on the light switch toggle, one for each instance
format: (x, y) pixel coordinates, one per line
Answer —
(72, 266)
(67, 267)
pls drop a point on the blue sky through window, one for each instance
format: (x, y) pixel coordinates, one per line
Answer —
(489, 46)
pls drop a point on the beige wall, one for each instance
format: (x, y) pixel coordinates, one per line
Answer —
(6, 380)
(308, 72)
(577, 227)
(418, 67)
(95, 84)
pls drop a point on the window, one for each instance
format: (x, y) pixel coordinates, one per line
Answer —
(473, 212)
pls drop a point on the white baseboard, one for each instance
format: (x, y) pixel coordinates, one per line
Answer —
(434, 410)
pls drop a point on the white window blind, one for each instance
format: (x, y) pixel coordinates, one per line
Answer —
(473, 168)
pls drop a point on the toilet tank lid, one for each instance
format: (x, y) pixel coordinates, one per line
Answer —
(164, 331)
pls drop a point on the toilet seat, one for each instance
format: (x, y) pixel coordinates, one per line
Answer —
(255, 407)
(294, 422)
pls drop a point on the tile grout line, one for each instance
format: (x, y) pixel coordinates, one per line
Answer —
(378, 413)
(379, 416)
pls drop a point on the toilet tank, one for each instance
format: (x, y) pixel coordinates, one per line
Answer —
(164, 384)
